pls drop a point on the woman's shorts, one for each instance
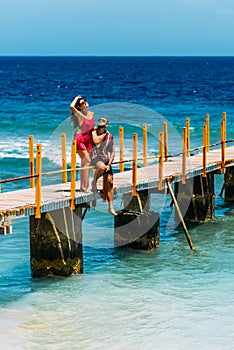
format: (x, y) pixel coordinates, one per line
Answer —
(83, 142)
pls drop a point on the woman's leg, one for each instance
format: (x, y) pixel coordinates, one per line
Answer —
(84, 174)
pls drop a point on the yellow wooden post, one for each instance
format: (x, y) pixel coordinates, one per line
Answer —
(222, 127)
(208, 132)
(204, 150)
(121, 148)
(64, 157)
(165, 130)
(134, 163)
(224, 139)
(145, 145)
(184, 155)
(38, 181)
(160, 161)
(188, 136)
(73, 175)
(31, 159)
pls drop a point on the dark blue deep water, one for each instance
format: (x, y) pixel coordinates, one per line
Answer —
(170, 298)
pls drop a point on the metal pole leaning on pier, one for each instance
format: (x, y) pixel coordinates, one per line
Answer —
(180, 215)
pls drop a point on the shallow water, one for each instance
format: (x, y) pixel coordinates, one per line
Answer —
(170, 298)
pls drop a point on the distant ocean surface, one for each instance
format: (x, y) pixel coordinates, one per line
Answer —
(170, 298)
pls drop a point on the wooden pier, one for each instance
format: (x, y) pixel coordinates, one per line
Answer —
(56, 211)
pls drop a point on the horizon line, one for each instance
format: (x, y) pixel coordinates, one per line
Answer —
(80, 56)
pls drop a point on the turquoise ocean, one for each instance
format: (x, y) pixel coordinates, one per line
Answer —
(169, 298)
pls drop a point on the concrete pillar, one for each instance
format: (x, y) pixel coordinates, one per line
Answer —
(229, 185)
(196, 198)
(134, 203)
(136, 226)
(56, 243)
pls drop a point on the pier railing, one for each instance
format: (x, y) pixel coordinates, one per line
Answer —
(35, 170)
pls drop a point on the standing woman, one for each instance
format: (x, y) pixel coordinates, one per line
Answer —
(84, 120)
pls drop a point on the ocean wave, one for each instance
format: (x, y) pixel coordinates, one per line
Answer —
(17, 149)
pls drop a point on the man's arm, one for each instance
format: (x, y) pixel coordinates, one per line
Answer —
(111, 151)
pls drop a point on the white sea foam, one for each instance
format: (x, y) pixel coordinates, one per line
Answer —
(17, 149)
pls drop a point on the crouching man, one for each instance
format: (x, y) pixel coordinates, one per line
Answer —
(102, 156)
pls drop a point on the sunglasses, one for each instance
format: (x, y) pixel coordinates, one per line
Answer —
(102, 120)
(82, 103)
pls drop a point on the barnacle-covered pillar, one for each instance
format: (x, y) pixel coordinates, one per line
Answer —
(56, 243)
(136, 226)
(229, 185)
(196, 198)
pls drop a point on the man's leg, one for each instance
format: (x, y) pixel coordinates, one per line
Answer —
(109, 191)
(100, 169)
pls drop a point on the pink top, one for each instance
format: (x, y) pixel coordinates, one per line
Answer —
(86, 125)
(83, 134)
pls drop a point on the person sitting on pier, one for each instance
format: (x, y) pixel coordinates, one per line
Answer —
(84, 120)
(102, 156)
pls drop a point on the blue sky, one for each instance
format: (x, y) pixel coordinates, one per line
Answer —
(117, 27)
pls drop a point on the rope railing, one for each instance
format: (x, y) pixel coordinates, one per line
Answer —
(18, 178)
(162, 156)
